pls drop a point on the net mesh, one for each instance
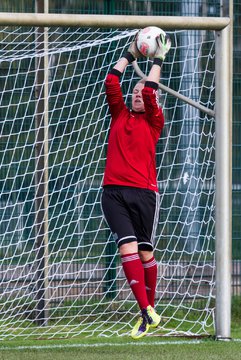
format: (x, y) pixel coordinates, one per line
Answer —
(60, 274)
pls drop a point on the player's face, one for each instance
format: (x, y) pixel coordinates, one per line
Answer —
(137, 100)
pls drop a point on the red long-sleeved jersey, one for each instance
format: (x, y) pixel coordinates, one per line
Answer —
(131, 154)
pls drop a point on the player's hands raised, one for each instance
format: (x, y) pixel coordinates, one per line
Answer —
(164, 45)
(134, 50)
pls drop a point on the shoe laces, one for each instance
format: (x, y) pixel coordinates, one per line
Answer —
(143, 323)
(146, 316)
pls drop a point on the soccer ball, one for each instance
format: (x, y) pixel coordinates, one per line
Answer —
(146, 40)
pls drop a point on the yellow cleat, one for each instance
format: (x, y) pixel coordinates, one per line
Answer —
(140, 329)
(152, 318)
(148, 319)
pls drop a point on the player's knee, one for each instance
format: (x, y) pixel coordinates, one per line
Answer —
(145, 255)
(128, 248)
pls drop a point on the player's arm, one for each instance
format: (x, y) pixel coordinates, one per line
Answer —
(112, 83)
(154, 114)
(164, 44)
(131, 55)
(150, 91)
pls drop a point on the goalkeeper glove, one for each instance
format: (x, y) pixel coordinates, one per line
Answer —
(164, 44)
(132, 52)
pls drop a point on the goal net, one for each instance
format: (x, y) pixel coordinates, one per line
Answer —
(60, 273)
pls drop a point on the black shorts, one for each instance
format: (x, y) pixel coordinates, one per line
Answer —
(132, 214)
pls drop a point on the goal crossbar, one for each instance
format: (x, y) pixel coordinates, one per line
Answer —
(122, 21)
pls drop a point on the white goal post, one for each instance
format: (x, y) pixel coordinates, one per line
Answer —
(44, 232)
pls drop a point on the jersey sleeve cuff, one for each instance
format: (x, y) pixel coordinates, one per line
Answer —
(151, 84)
(129, 57)
(116, 72)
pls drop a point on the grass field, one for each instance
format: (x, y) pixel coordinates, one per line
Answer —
(148, 348)
(123, 348)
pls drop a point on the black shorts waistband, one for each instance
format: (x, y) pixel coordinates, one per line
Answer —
(126, 187)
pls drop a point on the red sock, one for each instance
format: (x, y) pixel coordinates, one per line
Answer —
(134, 273)
(150, 271)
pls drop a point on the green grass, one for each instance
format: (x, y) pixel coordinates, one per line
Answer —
(124, 348)
(104, 318)
(115, 348)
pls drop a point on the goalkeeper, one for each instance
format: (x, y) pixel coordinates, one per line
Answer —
(130, 198)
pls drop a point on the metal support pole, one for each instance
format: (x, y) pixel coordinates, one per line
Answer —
(223, 185)
(110, 286)
(176, 94)
(41, 175)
